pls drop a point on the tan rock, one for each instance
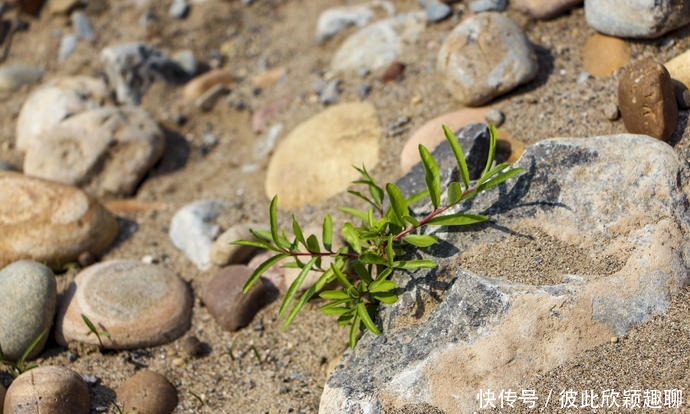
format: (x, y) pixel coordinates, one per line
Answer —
(50, 222)
(62, 6)
(147, 392)
(268, 78)
(200, 84)
(679, 68)
(47, 390)
(315, 160)
(223, 252)
(545, 9)
(602, 55)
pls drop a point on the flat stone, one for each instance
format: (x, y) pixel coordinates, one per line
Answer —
(647, 101)
(192, 230)
(602, 55)
(139, 304)
(435, 10)
(50, 222)
(485, 56)
(225, 301)
(12, 77)
(315, 160)
(223, 252)
(637, 19)
(335, 19)
(481, 6)
(147, 392)
(377, 45)
(28, 301)
(55, 102)
(618, 258)
(48, 390)
(106, 151)
(679, 68)
(545, 9)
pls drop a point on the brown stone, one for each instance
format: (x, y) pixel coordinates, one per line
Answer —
(200, 84)
(647, 101)
(545, 9)
(393, 72)
(47, 390)
(224, 299)
(603, 55)
(147, 392)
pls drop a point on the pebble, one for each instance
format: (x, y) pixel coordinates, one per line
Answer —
(192, 346)
(202, 83)
(106, 151)
(56, 101)
(480, 6)
(495, 117)
(269, 78)
(276, 275)
(637, 19)
(363, 90)
(393, 72)
(28, 301)
(179, 9)
(48, 390)
(435, 10)
(223, 252)
(332, 21)
(315, 160)
(12, 77)
(611, 112)
(267, 143)
(131, 68)
(185, 58)
(679, 68)
(583, 77)
(545, 9)
(147, 392)
(139, 305)
(68, 44)
(192, 230)
(377, 45)
(475, 76)
(646, 100)
(82, 26)
(50, 222)
(225, 301)
(330, 93)
(208, 99)
(602, 55)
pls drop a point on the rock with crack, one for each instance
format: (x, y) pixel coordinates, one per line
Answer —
(584, 245)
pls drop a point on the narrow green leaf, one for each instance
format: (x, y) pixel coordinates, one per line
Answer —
(31, 347)
(413, 221)
(397, 201)
(327, 232)
(346, 317)
(454, 193)
(492, 149)
(390, 252)
(415, 198)
(334, 311)
(361, 271)
(385, 297)
(499, 179)
(256, 274)
(88, 323)
(376, 193)
(262, 235)
(295, 286)
(460, 219)
(363, 197)
(340, 276)
(495, 170)
(273, 216)
(420, 240)
(313, 244)
(336, 303)
(431, 175)
(459, 156)
(372, 258)
(381, 285)
(254, 243)
(300, 304)
(363, 314)
(370, 219)
(298, 231)
(414, 264)
(354, 329)
(333, 294)
(350, 234)
(354, 212)
(384, 273)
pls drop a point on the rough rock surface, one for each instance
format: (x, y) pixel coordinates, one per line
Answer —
(637, 19)
(48, 390)
(105, 151)
(50, 222)
(454, 331)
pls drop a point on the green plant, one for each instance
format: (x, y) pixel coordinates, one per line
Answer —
(376, 247)
(21, 366)
(95, 331)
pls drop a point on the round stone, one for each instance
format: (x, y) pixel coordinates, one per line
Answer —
(49, 222)
(147, 392)
(48, 390)
(315, 160)
(28, 302)
(485, 56)
(138, 304)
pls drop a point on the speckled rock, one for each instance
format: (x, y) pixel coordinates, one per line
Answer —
(224, 299)
(196, 87)
(139, 304)
(223, 252)
(602, 55)
(55, 102)
(647, 101)
(485, 56)
(377, 45)
(545, 9)
(192, 230)
(47, 390)
(679, 68)
(147, 392)
(12, 77)
(315, 160)
(637, 19)
(50, 222)
(106, 151)
(28, 301)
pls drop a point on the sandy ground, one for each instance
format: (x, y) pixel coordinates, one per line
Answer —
(289, 367)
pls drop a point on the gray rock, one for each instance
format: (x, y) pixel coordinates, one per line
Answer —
(132, 67)
(68, 44)
(643, 19)
(187, 61)
(377, 45)
(479, 6)
(332, 21)
(495, 117)
(5, 166)
(14, 76)
(192, 230)
(106, 151)
(485, 56)
(435, 10)
(82, 26)
(28, 306)
(330, 93)
(455, 330)
(179, 9)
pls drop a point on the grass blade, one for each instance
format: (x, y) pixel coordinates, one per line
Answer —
(459, 156)
(295, 285)
(261, 269)
(431, 175)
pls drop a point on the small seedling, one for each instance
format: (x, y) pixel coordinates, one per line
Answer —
(120, 409)
(21, 366)
(95, 331)
(381, 243)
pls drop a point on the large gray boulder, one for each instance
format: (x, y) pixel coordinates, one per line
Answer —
(584, 245)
